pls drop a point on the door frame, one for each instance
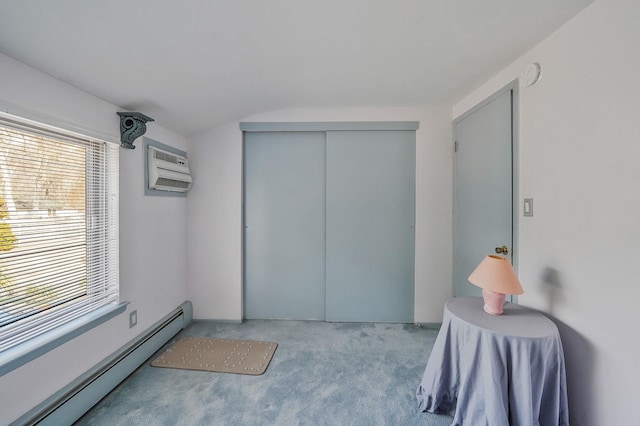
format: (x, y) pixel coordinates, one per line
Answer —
(311, 126)
(514, 88)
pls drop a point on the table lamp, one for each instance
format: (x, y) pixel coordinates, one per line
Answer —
(495, 276)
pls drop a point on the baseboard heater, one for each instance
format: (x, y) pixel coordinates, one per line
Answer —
(70, 403)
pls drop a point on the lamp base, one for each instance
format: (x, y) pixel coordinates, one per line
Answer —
(493, 302)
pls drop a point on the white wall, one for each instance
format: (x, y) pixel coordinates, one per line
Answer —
(579, 160)
(215, 210)
(152, 262)
(214, 230)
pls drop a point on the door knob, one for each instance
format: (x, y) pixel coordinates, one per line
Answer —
(502, 250)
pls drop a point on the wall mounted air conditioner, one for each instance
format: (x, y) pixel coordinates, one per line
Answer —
(168, 171)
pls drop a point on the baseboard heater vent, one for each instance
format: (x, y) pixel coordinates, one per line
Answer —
(70, 403)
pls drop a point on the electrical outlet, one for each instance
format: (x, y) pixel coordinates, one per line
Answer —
(133, 318)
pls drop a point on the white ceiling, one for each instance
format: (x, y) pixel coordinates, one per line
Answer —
(196, 64)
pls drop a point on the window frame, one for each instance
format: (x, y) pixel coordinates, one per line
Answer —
(32, 348)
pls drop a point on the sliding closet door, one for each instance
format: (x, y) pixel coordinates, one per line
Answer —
(284, 185)
(370, 226)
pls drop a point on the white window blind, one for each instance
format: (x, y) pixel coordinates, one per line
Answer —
(58, 228)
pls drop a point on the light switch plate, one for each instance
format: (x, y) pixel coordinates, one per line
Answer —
(527, 209)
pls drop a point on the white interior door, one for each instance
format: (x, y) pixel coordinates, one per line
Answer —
(483, 187)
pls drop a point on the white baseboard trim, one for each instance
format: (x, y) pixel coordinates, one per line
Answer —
(74, 400)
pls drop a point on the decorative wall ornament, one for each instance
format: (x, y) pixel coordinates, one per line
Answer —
(132, 125)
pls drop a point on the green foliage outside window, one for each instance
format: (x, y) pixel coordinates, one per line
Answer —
(7, 239)
(4, 211)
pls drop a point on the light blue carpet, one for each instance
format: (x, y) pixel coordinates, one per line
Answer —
(321, 374)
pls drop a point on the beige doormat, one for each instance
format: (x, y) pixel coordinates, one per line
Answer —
(218, 355)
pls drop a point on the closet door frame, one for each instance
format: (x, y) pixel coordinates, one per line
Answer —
(246, 127)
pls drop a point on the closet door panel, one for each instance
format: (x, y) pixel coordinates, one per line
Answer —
(284, 189)
(370, 214)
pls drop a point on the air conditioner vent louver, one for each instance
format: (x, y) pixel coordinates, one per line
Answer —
(171, 158)
(173, 183)
(167, 171)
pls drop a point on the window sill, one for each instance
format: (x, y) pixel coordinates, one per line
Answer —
(21, 354)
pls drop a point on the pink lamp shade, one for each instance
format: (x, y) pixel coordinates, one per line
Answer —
(496, 277)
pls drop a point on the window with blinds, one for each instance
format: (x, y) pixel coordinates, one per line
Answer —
(58, 228)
